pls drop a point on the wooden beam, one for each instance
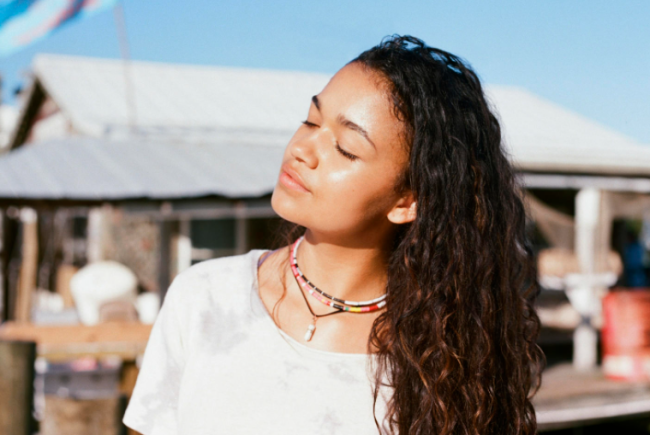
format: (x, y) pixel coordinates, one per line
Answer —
(29, 264)
(576, 181)
(17, 387)
(35, 97)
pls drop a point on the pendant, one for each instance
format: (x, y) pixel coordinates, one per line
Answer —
(310, 331)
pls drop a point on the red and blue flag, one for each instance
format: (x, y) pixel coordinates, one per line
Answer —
(25, 21)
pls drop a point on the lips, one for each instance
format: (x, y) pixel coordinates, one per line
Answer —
(292, 179)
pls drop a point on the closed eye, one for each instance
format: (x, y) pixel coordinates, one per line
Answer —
(345, 153)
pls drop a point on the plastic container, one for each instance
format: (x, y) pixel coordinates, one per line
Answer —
(626, 334)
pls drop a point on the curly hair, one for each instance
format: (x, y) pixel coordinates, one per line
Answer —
(457, 344)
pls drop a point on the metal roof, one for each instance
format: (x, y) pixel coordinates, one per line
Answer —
(99, 169)
(546, 137)
(216, 104)
(221, 131)
(181, 102)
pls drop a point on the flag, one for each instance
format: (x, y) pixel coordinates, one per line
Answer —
(25, 21)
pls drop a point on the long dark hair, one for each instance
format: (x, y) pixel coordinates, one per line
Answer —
(457, 344)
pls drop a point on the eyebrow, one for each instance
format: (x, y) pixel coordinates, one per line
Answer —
(347, 123)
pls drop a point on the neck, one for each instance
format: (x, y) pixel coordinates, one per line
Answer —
(349, 268)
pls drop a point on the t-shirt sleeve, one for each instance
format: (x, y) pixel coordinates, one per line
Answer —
(152, 409)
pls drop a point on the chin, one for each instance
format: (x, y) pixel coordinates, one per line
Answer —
(287, 207)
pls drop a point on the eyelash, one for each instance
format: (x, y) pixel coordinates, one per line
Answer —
(345, 154)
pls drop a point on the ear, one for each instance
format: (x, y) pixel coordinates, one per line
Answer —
(404, 210)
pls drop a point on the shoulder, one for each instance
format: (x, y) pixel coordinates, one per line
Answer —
(217, 267)
(219, 277)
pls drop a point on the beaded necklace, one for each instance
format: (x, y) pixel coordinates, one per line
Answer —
(321, 296)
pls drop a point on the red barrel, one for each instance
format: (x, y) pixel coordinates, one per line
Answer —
(626, 334)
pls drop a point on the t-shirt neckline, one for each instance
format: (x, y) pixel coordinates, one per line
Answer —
(255, 255)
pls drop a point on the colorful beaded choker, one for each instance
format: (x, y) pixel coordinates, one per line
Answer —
(321, 296)
(356, 307)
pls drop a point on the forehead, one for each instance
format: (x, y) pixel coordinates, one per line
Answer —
(362, 96)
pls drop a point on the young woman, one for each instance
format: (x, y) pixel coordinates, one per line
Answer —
(403, 299)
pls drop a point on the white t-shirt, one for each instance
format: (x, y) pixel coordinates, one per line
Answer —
(216, 363)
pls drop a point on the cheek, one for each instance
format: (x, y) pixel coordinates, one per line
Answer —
(357, 195)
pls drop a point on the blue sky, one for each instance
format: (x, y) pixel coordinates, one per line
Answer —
(591, 56)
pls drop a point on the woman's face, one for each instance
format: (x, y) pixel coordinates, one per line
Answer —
(347, 155)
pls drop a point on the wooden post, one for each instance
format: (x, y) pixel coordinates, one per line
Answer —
(582, 295)
(584, 290)
(64, 275)
(29, 264)
(184, 246)
(99, 221)
(10, 232)
(241, 228)
(167, 229)
(17, 387)
(3, 255)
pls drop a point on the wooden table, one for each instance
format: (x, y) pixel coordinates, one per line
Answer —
(65, 342)
(568, 398)
(61, 343)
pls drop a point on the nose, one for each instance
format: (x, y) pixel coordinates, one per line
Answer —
(304, 149)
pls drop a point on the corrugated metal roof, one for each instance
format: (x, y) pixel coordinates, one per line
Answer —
(96, 169)
(182, 102)
(543, 136)
(235, 105)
